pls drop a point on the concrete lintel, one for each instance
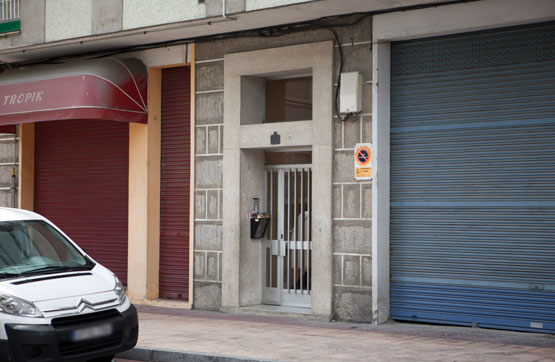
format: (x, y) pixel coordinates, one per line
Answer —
(292, 134)
(266, 62)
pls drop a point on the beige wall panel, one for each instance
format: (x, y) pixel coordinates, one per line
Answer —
(106, 16)
(138, 225)
(262, 4)
(142, 13)
(161, 57)
(144, 198)
(66, 19)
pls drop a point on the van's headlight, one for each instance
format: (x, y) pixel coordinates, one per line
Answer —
(16, 306)
(120, 291)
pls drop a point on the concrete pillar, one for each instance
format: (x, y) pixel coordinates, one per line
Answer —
(231, 250)
(252, 185)
(231, 194)
(322, 166)
(380, 187)
(322, 237)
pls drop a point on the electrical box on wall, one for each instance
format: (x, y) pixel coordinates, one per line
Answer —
(350, 93)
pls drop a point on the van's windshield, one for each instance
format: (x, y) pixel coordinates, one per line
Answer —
(34, 247)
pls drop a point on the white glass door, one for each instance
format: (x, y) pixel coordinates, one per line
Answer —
(288, 244)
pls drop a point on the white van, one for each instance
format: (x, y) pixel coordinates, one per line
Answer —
(56, 303)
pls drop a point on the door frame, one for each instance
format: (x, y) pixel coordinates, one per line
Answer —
(243, 169)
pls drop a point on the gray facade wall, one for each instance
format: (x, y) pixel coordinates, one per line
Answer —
(44, 21)
(352, 200)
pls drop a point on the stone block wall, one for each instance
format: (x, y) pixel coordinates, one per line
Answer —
(208, 183)
(351, 199)
(8, 153)
(352, 212)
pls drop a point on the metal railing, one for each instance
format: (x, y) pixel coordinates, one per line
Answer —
(9, 10)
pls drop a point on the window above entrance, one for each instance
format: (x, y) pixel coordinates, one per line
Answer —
(289, 99)
(277, 97)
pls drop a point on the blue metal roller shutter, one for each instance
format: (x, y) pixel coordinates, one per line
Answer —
(473, 179)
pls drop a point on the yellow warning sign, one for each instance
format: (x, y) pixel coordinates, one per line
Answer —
(363, 161)
(363, 173)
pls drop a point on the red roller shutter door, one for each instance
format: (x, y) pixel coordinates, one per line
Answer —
(175, 183)
(81, 184)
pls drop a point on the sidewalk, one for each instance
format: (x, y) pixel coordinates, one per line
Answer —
(188, 335)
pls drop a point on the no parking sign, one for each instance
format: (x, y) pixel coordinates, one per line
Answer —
(363, 161)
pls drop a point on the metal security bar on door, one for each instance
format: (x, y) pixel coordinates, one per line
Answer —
(288, 247)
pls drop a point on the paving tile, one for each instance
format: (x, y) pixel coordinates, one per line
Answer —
(294, 340)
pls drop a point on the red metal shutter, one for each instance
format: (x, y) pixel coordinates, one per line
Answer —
(175, 183)
(81, 184)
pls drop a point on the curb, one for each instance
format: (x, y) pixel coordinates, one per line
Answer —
(158, 355)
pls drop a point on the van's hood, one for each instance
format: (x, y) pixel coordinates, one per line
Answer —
(64, 291)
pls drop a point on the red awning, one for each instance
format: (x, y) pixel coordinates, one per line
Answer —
(107, 89)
